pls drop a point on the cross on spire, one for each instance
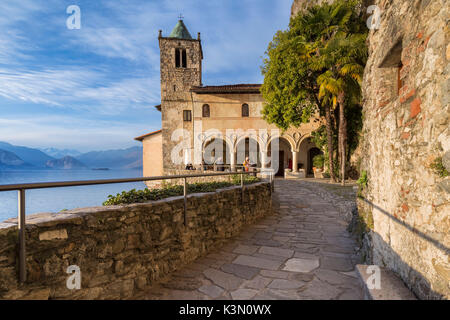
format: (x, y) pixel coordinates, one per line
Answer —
(180, 17)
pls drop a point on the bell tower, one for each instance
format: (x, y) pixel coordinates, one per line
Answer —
(181, 61)
(181, 69)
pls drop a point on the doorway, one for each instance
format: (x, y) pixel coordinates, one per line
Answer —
(280, 171)
(311, 154)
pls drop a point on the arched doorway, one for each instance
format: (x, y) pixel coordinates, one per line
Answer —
(284, 152)
(216, 152)
(248, 147)
(307, 151)
(311, 154)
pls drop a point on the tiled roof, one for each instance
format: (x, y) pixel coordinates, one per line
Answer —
(140, 138)
(232, 89)
(180, 31)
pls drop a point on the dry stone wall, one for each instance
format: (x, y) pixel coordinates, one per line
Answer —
(123, 249)
(406, 127)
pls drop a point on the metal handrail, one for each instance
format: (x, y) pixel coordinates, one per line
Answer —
(21, 188)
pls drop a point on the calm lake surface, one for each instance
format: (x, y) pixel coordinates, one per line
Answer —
(57, 199)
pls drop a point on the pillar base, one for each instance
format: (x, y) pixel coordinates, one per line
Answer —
(288, 174)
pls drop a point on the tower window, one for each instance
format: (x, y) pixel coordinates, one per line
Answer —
(205, 111)
(183, 58)
(187, 116)
(245, 110)
(180, 58)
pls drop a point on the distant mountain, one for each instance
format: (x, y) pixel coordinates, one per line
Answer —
(32, 156)
(66, 163)
(9, 160)
(130, 158)
(60, 153)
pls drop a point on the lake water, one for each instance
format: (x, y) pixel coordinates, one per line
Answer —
(57, 199)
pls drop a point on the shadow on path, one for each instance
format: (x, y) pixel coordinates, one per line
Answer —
(302, 251)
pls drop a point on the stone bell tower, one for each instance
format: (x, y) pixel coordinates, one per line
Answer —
(181, 69)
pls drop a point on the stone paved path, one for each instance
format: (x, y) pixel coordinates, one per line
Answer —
(303, 251)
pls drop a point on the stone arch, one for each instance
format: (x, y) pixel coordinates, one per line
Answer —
(283, 156)
(299, 142)
(247, 136)
(286, 137)
(254, 155)
(305, 145)
(226, 149)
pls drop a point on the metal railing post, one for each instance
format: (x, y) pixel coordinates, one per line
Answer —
(21, 224)
(270, 182)
(242, 187)
(185, 200)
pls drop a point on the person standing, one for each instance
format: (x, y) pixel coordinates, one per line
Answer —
(246, 164)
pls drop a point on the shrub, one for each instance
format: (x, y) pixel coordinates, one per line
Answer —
(139, 196)
(248, 179)
(318, 161)
(362, 182)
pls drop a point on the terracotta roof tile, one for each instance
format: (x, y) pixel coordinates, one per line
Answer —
(232, 89)
(140, 138)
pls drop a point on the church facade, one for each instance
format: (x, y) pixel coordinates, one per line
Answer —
(203, 125)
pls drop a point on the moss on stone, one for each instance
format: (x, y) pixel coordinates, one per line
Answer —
(438, 167)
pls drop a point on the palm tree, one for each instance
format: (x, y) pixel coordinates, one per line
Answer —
(340, 57)
(344, 58)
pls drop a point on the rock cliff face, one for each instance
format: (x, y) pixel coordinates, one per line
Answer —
(406, 127)
(299, 5)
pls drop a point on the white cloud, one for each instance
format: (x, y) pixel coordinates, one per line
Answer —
(71, 132)
(78, 88)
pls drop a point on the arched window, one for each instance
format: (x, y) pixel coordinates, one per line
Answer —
(180, 58)
(245, 110)
(205, 111)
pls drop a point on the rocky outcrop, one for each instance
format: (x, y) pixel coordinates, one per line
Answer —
(66, 163)
(406, 127)
(300, 5)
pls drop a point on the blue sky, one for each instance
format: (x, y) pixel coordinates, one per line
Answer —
(95, 88)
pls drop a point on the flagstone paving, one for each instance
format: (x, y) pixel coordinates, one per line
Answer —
(302, 251)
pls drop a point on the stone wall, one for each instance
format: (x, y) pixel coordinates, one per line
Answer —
(122, 249)
(406, 127)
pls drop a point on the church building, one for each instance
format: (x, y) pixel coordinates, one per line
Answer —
(197, 115)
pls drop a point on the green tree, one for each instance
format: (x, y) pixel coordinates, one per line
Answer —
(299, 77)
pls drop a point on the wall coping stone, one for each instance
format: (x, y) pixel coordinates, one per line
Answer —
(76, 216)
